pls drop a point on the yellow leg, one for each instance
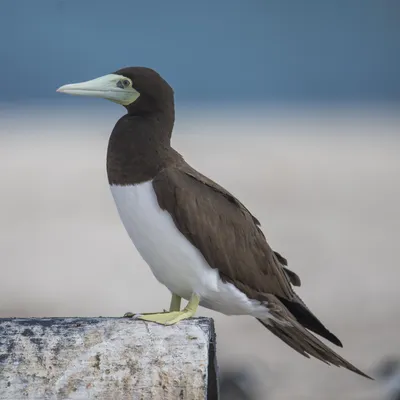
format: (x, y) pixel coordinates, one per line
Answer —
(172, 317)
(175, 303)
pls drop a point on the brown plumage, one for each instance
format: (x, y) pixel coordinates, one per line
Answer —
(230, 240)
(214, 221)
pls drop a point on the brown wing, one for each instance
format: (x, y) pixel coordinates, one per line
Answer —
(223, 230)
(230, 240)
(293, 277)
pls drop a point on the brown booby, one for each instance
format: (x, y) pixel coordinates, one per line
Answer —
(199, 240)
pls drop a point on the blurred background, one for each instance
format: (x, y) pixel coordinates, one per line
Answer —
(292, 106)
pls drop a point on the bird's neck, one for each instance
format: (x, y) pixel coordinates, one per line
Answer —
(139, 147)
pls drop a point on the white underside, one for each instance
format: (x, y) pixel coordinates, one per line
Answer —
(174, 261)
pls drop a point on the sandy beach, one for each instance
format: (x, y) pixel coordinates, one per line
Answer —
(326, 190)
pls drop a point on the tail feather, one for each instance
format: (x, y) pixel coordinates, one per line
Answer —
(307, 319)
(301, 340)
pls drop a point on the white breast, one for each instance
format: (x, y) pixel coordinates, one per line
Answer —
(174, 261)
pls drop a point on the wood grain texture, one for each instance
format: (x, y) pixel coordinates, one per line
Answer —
(107, 358)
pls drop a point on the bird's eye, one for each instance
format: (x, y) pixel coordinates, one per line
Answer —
(123, 83)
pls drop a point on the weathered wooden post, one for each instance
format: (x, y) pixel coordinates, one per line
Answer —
(107, 358)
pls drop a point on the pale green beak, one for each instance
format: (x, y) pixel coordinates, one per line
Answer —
(116, 88)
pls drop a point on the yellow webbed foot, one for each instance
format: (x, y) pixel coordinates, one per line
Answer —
(172, 317)
(175, 305)
(164, 318)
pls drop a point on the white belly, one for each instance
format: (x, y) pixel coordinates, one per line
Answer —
(174, 261)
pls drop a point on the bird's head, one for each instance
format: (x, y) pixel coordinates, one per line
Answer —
(136, 88)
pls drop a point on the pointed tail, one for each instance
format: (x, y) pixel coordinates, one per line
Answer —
(304, 342)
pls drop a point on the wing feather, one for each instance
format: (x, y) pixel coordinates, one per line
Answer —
(224, 231)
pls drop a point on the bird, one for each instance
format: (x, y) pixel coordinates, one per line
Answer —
(198, 239)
